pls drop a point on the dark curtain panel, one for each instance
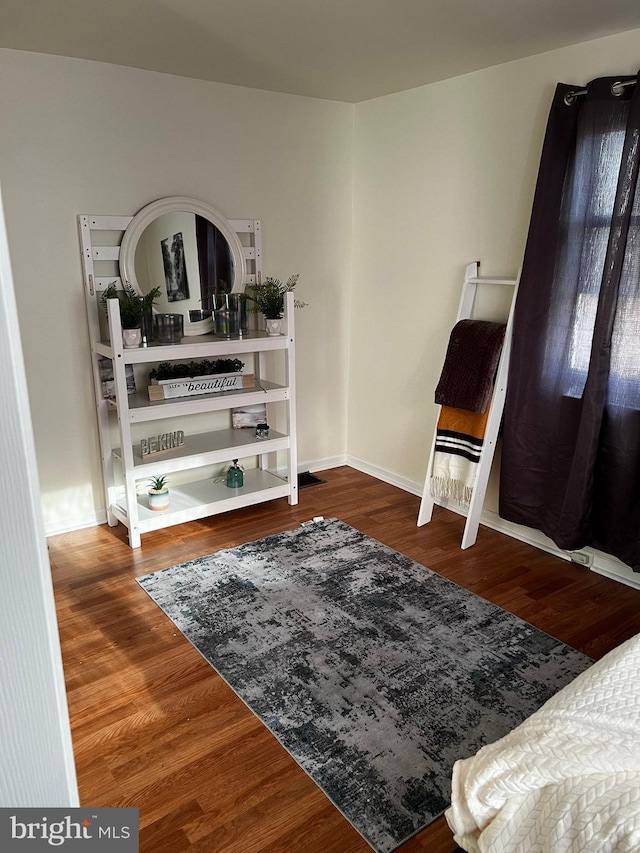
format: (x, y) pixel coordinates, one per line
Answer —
(571, 443)
(214, 258)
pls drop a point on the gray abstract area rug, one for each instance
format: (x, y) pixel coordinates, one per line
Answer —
(374, 672)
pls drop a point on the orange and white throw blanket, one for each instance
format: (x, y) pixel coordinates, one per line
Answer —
(464, 392)
(459, 441)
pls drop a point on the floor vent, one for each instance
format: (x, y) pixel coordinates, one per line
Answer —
(307, 479)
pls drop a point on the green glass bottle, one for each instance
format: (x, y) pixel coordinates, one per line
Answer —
(235, 476)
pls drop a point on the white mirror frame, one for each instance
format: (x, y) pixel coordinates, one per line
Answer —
(177, 204)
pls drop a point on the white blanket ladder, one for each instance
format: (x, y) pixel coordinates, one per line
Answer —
(472, 281)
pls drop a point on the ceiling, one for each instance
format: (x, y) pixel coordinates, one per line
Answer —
(345, 50)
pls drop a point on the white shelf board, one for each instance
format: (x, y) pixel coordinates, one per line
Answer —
(206, 449)
(200, 346)
(202, 498)
(142, 409)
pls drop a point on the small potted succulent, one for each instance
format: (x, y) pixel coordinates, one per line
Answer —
(158, 493)
(268, 298)
(133, 309)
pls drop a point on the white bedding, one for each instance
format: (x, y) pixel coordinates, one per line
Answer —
(565, 781)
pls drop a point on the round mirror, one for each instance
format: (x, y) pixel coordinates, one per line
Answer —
(187, 249)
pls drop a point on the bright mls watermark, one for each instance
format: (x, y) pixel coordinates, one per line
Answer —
(80, 830)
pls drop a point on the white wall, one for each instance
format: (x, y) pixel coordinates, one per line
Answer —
(85, 137)
(444, 175)
(438, 176)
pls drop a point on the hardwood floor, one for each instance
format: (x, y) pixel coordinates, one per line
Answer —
(156, 728)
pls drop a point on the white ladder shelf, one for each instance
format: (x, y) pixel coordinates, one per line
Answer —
(496, 407)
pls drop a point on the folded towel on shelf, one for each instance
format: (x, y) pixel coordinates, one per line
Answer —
(467, 377)
(459, 441)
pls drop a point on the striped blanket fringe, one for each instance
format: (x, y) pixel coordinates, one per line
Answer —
(459, 442)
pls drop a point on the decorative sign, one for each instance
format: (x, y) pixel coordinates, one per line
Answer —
(168, 389)
(160, 443)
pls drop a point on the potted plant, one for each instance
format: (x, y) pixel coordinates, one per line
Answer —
(170, 379)
(179, 370)
(158, 493)
(133, 308)
(268, 298)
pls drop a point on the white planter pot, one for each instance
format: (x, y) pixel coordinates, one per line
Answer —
(131, 338)
(274, 327)
(158, 500)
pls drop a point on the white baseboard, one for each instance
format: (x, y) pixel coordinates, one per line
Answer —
(79, 522)
(596, 561)
(385, 475)
(611, 568)
(590, 558)
(312, 465)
